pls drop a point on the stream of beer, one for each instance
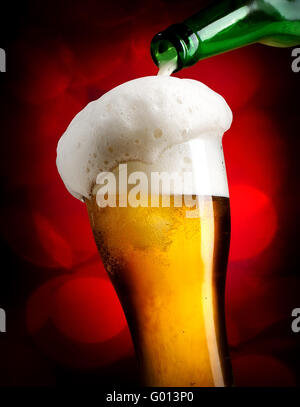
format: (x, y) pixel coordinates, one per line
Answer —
(167, 68)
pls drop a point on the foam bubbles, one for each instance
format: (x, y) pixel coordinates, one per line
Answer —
(139, 121)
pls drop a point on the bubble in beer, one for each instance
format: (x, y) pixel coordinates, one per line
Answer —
(140, 121)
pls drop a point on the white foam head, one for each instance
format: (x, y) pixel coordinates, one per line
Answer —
(147, 120)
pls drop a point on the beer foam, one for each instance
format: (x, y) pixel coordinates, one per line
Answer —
(146, 121)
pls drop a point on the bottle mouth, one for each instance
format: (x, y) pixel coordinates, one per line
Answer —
(177, 43)
(163, 51)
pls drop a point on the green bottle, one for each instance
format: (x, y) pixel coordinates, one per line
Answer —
(227, 25)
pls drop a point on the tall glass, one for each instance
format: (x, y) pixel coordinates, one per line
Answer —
(168, 265)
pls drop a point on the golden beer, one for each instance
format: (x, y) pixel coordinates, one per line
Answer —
(167, 261)
(169, 272)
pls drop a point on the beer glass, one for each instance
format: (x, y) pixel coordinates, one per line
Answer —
(168, 262)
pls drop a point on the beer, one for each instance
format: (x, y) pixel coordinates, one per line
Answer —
(169, 273)
(147, 160)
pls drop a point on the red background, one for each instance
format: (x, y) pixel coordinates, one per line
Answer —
(64, 321)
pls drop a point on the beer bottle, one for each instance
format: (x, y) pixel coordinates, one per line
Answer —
(226, 25)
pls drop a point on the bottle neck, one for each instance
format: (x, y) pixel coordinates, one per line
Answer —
(177, 43)
(228, 25)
